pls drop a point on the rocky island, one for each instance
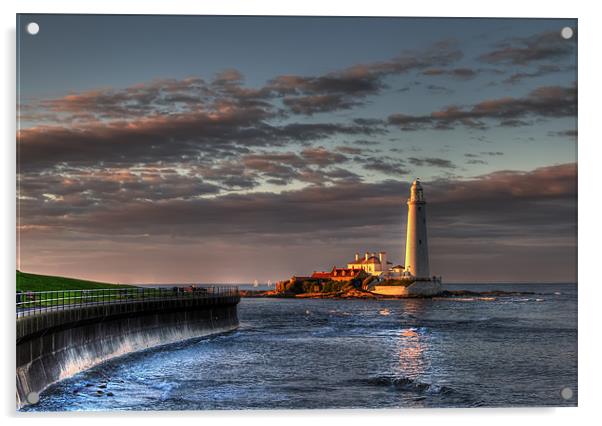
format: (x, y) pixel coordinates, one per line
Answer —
(373, 276)
(350, 291)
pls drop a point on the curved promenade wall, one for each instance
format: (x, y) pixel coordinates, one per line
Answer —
(52, 346)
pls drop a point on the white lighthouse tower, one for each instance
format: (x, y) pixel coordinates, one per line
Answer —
(417, 253)
(415, 280)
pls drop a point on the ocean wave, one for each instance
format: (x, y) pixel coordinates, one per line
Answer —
(445, 396)
(335, 312)
(409, 385)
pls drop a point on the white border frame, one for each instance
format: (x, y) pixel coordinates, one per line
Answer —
(589, 176)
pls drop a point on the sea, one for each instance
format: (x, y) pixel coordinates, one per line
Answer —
(500, 351)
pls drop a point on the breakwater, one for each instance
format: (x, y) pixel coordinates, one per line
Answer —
(62, 333)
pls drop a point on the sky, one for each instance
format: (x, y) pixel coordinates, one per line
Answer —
(205, 149)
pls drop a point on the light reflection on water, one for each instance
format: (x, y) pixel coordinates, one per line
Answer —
(412, 360)
(351, 353)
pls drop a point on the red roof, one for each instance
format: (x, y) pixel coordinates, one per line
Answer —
(320, 275)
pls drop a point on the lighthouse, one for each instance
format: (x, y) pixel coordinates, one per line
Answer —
(415, 279)
(417, 253)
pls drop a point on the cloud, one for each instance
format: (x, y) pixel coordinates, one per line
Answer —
(347, 88)
(139, 100)
(203, 121)
(432, 162)
(540, 71)
(157, 97)
(273, 167)
(570, 133)
(312, 165)
(317, 208)
(547, 183)
(363, 142)
(546, 102)
(172, 137)
(386, 166)
(309, 105)
(305, 132)
(78, 187)
(459, 73)
(524, 50)
(300, 95)
(474, 158)
(439, 89)
(322, 157)
(184, 137)
(513, 123)
(349, 150)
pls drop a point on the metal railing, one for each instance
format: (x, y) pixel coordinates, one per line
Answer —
(32, 303)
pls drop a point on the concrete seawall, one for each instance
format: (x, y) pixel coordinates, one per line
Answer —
(54, 345)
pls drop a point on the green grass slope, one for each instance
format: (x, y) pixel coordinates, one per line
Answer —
(34, 282)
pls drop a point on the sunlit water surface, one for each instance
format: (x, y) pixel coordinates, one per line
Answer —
(511, 351)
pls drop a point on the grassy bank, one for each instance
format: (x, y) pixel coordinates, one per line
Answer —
(35, 282)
